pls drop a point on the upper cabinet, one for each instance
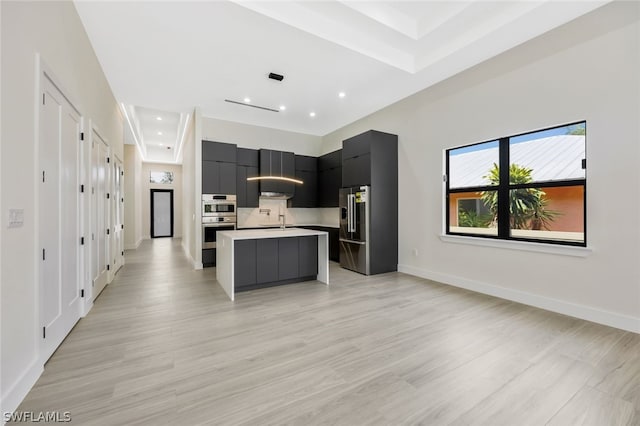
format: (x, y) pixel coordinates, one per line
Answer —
(277, 163)
(329, 178)
(248, 163)
(368, 157)
(218, 168)
(306, 169)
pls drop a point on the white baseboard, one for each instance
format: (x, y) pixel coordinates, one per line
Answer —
(588, 313)
(16, 394)
(133, 246)
(192, 260)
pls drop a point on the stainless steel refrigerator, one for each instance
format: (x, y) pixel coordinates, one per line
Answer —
(354, 228)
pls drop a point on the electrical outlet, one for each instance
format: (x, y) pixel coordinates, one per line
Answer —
(415, 252)
(16, 218)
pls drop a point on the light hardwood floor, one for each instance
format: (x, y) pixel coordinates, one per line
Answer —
(164, 345)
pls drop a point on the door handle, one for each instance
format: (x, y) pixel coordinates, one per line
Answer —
(360, 243)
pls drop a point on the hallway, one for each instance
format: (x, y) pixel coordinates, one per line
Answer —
(164, 345)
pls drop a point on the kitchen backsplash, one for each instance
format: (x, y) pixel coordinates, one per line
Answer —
(251, 217)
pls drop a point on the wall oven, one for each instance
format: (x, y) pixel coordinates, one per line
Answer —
(211, 225)
(218, 205)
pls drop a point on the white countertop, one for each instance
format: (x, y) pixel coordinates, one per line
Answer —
(272, 225)
(252, 234)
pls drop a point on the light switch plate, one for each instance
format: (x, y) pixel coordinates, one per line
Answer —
(16, 218)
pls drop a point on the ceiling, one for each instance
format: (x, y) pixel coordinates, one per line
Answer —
(173, 56)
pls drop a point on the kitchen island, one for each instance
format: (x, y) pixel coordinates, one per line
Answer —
(257, 258)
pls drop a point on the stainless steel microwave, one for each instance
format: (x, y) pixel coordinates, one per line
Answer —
(218, 205)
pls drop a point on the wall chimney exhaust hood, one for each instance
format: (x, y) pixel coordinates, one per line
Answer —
(274, 183)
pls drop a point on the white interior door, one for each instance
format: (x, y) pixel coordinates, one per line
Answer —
(100, 213)
(118, 205)
(162, 213)
(58, 217)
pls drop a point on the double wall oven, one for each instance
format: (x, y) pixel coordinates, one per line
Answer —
(218, 214)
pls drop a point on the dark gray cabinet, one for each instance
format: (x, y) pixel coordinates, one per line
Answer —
(267, 260)
(308, 256)
(334, 240)
(245, 263)
(356, 170)
(247, 192)
(329, 178)
(218, 168)
(275, 261)
(288, 258)
(277, 163)
(306, 195)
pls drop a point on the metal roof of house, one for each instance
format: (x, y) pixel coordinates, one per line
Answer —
(551, 158)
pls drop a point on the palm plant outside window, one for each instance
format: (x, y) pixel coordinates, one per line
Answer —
(529, 187)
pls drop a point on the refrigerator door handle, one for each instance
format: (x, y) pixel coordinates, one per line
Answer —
(361, 243)
(350, 225)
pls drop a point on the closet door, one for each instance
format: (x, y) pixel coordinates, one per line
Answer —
(58, 217)
(100, 212)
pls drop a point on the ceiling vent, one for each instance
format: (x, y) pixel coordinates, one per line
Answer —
(252, 106)
(274, 76)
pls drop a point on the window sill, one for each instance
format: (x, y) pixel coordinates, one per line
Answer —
(519, 245)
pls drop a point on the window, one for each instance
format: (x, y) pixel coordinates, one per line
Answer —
(528, 187)
(161, 177)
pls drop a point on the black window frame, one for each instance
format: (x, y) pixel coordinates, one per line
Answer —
(503, 188)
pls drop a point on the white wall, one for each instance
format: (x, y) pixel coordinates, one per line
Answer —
(587, 69)
(53, 30)
(132, 197)
(189, 190)
(256, 137)
(145, 195)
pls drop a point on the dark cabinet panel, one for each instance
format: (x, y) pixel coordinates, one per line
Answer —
(241, 186)
(218, 151)
(227, 178)
(245, 260)
(208, 257)
(356, 146)
(253, 187)
(329, 178)
(329, 183)
(210, 177)
(330, 160)
(248, 157)
(267, 260)
(308, 256)
(334, 243)
(307, 163)
(247, 192)
(218, 168)
(287, 258)
(306, 195)
(356, 170)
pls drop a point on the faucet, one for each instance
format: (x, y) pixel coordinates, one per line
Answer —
(281, 216)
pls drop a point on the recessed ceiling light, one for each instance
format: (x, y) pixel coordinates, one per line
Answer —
(161, 144)
(282, 107)
(342, 94)
(159, 118)
(159, 133)
(312, 114)
(247, 100)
